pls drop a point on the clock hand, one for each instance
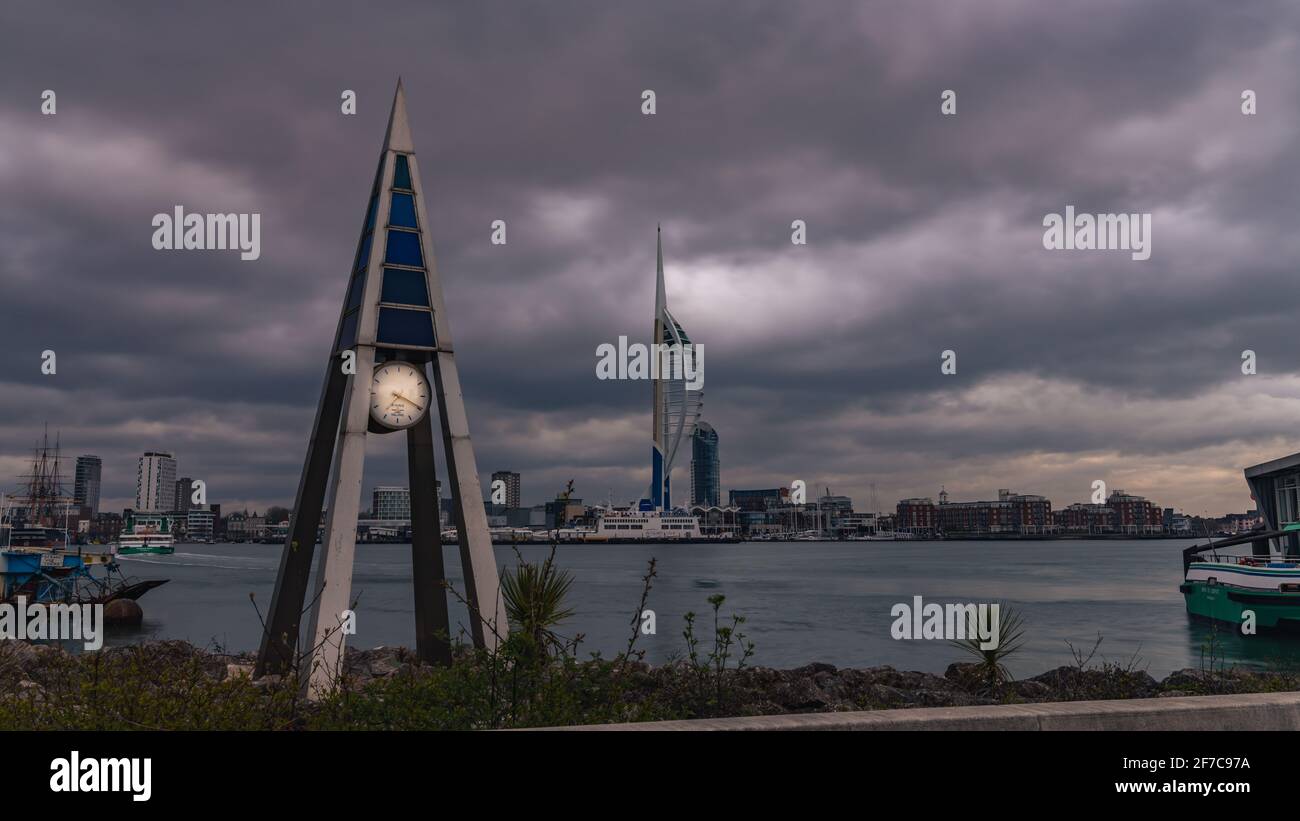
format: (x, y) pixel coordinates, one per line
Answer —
(397, 395)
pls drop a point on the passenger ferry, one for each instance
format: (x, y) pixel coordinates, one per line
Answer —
(146, 534)
(626, 525)
(158, 544)
(645, 525)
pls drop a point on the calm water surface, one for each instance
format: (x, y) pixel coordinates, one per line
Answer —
(803, 601)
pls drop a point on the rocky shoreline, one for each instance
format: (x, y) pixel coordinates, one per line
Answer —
(815, 687)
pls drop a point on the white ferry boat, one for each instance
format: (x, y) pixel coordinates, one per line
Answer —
(646, 525)
(146, 534)
(151, 543)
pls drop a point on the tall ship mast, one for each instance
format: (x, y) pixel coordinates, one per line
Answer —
(39, 513)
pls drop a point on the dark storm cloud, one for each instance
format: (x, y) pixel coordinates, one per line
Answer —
(924, 234)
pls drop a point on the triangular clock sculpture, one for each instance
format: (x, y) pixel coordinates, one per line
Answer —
(392, 327)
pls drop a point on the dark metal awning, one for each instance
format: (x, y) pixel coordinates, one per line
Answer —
(1246, 538)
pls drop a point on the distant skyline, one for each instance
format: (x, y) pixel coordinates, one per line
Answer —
(861, 503)
(924, 235)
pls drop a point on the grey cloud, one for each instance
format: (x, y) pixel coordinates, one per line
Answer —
(923, 230)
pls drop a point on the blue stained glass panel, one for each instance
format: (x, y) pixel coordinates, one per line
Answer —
(355, 290)
(403, 211)
(370, 213)
(404, 249)
(405, 287)
(363, 253)
(402, 173)
(398, 326)
(348, 331)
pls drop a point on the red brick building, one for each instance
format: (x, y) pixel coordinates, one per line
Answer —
(1134, 514)
(916, 516)
(1082, 518)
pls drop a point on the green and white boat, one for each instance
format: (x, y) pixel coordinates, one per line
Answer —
(1226, 588)
(146, 534)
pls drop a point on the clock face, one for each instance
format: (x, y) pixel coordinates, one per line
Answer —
(399, 395)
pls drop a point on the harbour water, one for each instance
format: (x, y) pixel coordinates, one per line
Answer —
(803, 601)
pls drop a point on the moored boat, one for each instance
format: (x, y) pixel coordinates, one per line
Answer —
(39, 562)
(1260, 590)
(1233, 590)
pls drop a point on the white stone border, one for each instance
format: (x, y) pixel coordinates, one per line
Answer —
(1251, 711)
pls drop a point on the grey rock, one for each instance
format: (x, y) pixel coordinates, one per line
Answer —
(1032, 689)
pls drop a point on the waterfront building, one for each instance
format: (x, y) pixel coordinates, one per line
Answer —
(791, 519)
(106, 527)
(717, 521)
(391, 502)
(511, 480)
(234, 526)
(1080, 518)
(537, 517)
(85, 488)
(245, 527)
(916, 516)
(832, 512)
(496, 515)
(1031, 514)
(755, 523)
(181, 501)
(1012, 513)
(758, 501)
(1275, 487)
(1134, 514)
(974, 518)
(562, 512)
(839, 505)
(199, 525)
(706, 471)
(155, 482)
(675, 406)
(855, 525)
(1243, 522)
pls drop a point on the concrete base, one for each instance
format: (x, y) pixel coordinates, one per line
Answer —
(1253, 711)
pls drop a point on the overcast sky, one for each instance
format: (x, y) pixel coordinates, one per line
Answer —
(823, 360)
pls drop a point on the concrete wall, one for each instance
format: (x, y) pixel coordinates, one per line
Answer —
(1254, 711)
